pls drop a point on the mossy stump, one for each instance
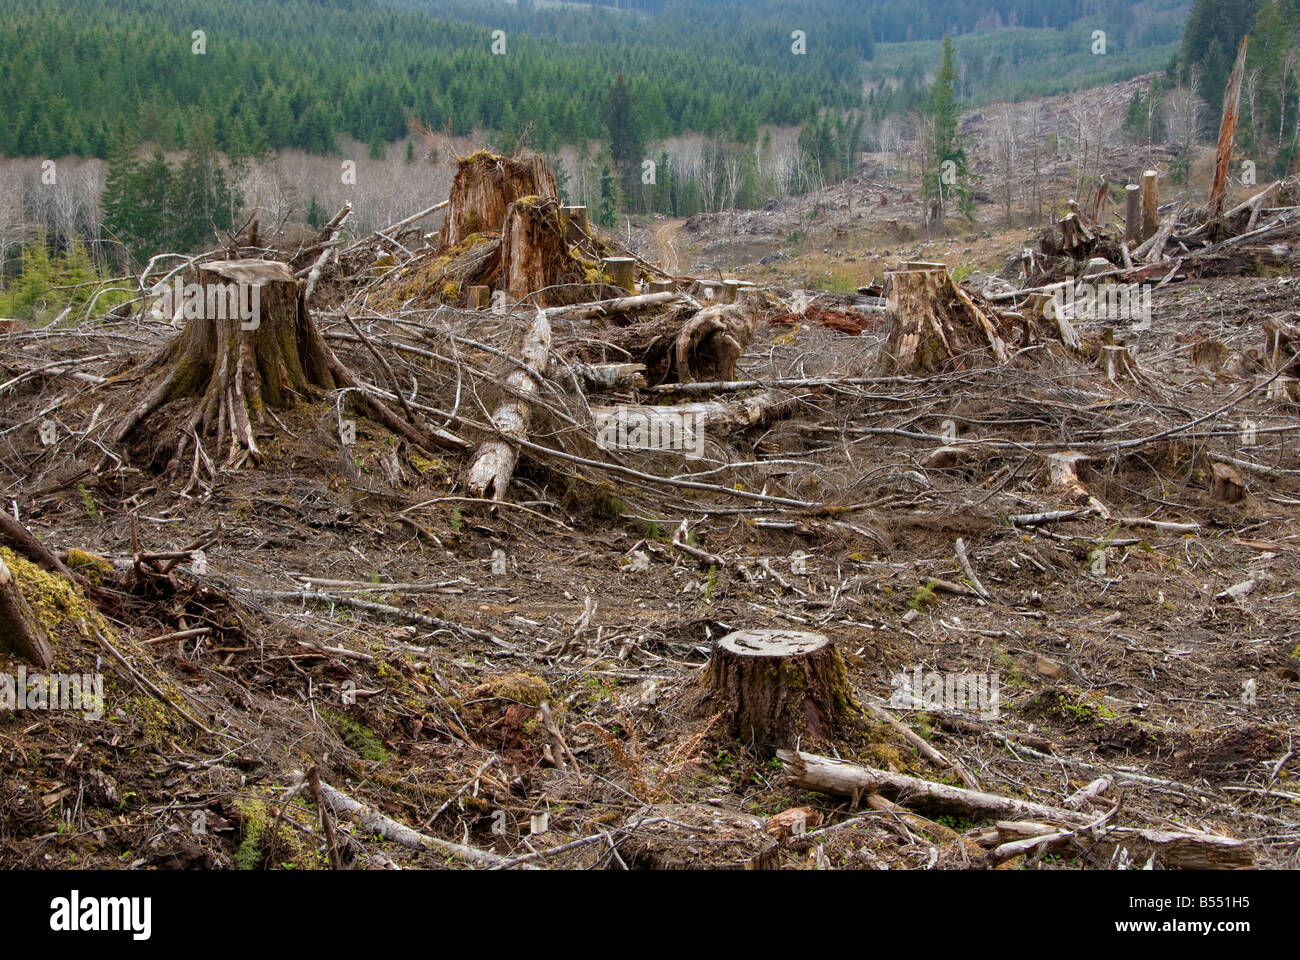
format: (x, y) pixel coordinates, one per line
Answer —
(776, 688)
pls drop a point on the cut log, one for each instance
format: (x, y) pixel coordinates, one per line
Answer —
(934, 325)
(494, 461)
(775, 688)
(605, 308)
(484, 187)
(574, 220)
(533, 253)
(639, 427)
(611, 376)
(21, 634)
(842, 779)
(1227, 132)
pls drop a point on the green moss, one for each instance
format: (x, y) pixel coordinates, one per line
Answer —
(55, 600)
(91, 566)
(357, 736)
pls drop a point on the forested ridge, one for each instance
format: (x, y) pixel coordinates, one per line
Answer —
(300, 73)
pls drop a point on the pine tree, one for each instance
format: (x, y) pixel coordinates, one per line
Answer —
(608, 199)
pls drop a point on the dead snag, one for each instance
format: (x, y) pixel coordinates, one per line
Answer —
(494, 461)
(776, 687)
(533, 251)
(1227, 132)
(20, 632)
(484, 187)
(934, 323)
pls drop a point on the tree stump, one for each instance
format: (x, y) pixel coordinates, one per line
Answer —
(484, 187)
(533, 251)
(248, 344)
(621, 272)
(776, 687)
(1226, 485)
(20, 632)
(934, 324)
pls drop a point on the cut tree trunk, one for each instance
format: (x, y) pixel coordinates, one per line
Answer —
(934, 325)
(494, 461)
(1150, 204)
(533, 252)
(248, 346)
(21, 634)
(484, 187)
(263, 353)
(775, 688)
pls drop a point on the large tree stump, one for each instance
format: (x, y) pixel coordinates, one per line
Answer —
(247, 345)
(20, 632)
(533, 252)
(776, 687)
(934, 325)
(484, 187)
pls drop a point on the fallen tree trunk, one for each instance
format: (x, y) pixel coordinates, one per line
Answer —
(839, 778)
(389, 829)
(20, 632)
(494, 462)
(605, 308)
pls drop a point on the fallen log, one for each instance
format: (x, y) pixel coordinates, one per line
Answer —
(382, 826)
(839, 778)
(494, 461)
(605, 308)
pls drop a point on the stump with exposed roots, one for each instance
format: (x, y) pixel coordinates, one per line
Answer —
(775, 688)
(247, 345)
(934, 325)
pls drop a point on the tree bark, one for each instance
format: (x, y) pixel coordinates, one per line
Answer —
(533, 252)
(484, 187)
(1227, 132)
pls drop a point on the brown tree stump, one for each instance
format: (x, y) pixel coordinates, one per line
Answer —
(21, 634)
(1226, 485)
(484, 187)
(776, 687)
(247, 345)
(533, 252)
(934, 325)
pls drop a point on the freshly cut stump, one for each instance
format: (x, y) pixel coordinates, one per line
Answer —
(776, 687)
(934, 325)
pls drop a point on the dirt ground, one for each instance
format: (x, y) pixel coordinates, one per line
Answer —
(355, 616)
